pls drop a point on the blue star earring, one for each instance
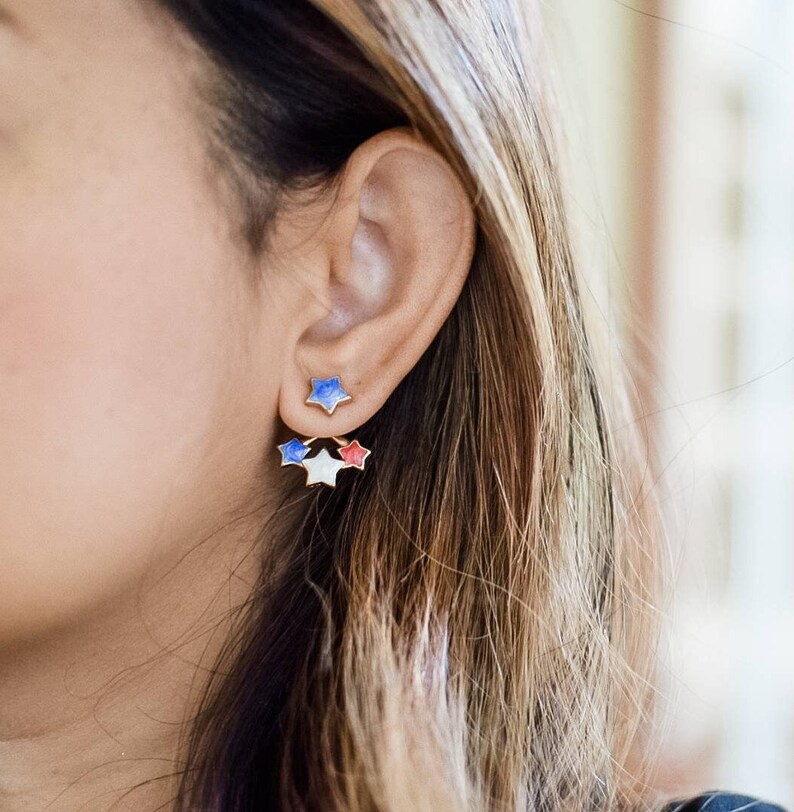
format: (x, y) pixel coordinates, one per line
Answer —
(328, 393)
(323, 467)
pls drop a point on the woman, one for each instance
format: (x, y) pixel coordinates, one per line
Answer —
(314, 493)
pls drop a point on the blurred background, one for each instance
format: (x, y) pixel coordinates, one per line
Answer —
(679, 147)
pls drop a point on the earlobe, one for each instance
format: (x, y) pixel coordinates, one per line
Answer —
(397, 247)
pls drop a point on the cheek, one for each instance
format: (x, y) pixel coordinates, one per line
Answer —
(116, 348)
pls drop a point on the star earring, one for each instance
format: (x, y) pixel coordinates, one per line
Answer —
(323, 467)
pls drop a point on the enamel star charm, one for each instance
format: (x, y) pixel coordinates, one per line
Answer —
(293, 452)
(328, 393)
(322, 469)
(354, 455)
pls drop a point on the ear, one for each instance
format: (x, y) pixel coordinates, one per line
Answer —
(385, 271)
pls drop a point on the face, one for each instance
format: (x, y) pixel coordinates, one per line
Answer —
(132, 409)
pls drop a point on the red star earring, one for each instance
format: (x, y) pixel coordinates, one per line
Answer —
(322, 468)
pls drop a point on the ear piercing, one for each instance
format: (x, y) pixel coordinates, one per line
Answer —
(323, 467)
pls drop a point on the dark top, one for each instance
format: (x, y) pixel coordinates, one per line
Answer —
(722, 801)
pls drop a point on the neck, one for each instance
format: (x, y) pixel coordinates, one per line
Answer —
(91, 716)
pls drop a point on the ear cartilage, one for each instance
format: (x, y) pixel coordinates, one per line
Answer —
(323, 467)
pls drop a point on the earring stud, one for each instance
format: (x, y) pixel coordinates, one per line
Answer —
(328, 393)
(323, 467)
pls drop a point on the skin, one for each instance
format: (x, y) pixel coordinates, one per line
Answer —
(145, 382)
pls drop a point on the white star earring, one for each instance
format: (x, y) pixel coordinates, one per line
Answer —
(323, 467)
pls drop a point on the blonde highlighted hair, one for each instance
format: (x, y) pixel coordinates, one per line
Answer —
(470, 624)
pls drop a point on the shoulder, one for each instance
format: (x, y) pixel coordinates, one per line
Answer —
(722, 801)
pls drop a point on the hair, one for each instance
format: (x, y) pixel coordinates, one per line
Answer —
(469, 623)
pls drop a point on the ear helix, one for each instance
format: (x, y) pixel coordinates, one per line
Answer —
(323, 467)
